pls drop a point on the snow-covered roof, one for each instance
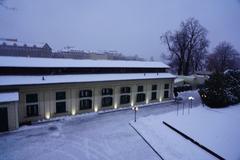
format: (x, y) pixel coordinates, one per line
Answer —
(61, 62)
(54, 79)
(9, 97)
(21, 44)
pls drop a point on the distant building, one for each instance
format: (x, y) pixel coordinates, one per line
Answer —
(15, 48)
(12, 47)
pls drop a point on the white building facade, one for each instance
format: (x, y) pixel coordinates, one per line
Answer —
(79, 88)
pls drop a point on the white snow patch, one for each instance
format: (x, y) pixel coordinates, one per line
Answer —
(28, 80)
(61, 62)
(216, 129)
(9, 97)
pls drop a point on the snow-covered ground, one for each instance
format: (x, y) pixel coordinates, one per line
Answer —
(216, 129)
(108, 136)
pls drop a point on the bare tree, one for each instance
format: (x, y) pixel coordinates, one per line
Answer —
(223, 57)
(3, 4)
(187, 46)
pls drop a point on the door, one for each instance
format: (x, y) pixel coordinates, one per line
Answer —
(3, 119)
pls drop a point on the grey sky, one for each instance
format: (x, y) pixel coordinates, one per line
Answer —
(128, 26)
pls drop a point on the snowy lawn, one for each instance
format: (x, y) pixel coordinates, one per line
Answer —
(109, 136)
(216, 129)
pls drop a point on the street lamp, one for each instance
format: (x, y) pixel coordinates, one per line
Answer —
(135, 109)
(191, 99)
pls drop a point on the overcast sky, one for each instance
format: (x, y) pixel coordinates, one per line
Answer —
(128, 26)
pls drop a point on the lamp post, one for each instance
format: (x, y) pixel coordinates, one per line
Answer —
(191, 99)
(135, 109)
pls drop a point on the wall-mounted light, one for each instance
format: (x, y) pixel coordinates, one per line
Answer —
(147, 101)
(132, 104)
(160, 99)
(47, 116)
(95, 109)
(115, 106)
(73, 112)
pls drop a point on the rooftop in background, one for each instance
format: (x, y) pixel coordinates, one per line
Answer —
(68, 63)
(15, 42)
(56, 79)
(12, 47)
(9, 97)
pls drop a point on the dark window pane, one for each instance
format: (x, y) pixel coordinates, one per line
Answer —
(107, 91)
(154, 96)
(166, 86)
(154, 87)
(31, 98)
(107, 101)
(60, 107)
(60, 95)
(124, 99)
(166, 94)
(125, 90)
(140, 97)
(32, 110)
(85, 93)
(140, 89)
(85, 104)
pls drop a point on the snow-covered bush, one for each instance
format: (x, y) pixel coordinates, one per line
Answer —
(221, 90)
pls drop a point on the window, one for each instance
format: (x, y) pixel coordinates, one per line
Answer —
(107, 91)
(154, 92)
(154, 87)
(140, 89)
(124, 99)
(32, 105)
(154, 96)
(140, 97)
(166, 86)
(85, 93)
(107, 101)
(166, 90)
(85, 102)
(125, 95)
(166, 94)
(125, 90)
(60, 102)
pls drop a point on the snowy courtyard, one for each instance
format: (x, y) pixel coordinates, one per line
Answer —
(98, 136)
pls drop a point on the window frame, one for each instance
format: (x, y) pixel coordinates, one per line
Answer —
(140, 92)
(166, 90)
(154, 92)
(125, 91)
(31, 106)
(105, 94)
(61, 100)
(87, 97)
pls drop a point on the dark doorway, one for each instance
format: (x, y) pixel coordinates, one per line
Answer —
(3, 119)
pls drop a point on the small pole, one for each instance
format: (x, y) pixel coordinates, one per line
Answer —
(135, 109)
(183, 109)
(177, 108)
(135, 117)
(188, 109)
